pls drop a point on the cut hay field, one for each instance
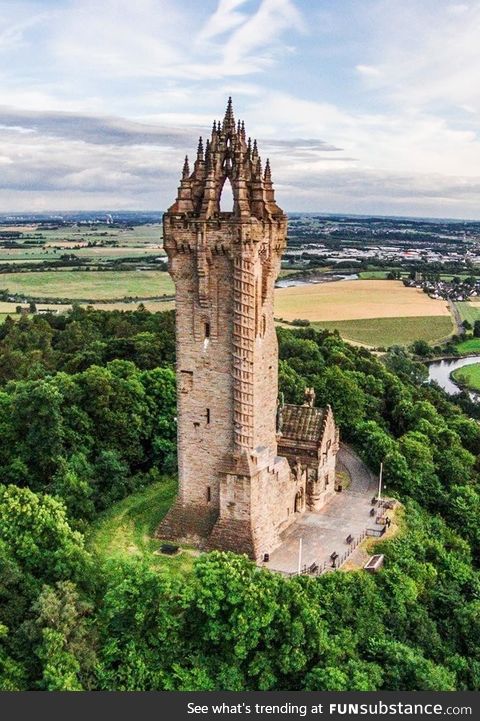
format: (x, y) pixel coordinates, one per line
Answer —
(95, 285)
(386, 332)
(355, 299)
(369, 312)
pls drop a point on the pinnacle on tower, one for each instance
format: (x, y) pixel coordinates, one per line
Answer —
(200, 149)
(268, 173)
(186, 169)
(229, 120)
(208, 158)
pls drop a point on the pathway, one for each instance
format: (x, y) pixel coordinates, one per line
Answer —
(325, 531)
(456, 317)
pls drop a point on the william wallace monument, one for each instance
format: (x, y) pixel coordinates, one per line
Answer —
(247, 465)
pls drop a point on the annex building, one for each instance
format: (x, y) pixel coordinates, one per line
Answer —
(247, 465)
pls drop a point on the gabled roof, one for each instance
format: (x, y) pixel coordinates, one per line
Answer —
(302, 423)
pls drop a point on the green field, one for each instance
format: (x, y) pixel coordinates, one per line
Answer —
(391, 331)
(95, 285)
(138, 241)
(373, 274)
(468, 376)
(468, 311)
(472, 345)
(126, 529)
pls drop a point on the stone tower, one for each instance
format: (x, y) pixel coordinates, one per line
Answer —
(224, 265)
(235, 492)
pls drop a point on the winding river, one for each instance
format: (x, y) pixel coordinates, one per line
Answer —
(313, 279)
(439, 371)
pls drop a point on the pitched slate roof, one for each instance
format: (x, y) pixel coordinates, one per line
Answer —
(302, 423)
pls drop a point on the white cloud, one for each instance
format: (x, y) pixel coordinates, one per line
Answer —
(223, 19)
(368, 70)
(431, 59)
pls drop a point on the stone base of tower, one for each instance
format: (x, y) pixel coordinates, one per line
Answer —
(187, 523)
(232, 535)
(257, 503)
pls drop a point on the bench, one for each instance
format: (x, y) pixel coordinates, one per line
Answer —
(349, 538)
(334, 555)
(313, 567)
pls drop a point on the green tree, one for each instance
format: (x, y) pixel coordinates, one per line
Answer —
(65, 648)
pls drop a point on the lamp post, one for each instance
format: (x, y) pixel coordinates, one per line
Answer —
(380, 482)
(299, 556)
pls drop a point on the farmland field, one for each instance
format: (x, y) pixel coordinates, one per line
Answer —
(373, 274)
(468, 376)
(471, 345)
(386, 332)
(469, 311)
(154, 306)
(355, 299)
(142, 240)
(95, 285)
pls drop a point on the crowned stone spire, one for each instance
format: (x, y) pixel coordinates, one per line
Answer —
(227, 154)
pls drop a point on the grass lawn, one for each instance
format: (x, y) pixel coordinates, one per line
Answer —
(126, 529)
(391, 331)
(472, 345)
(94, 285)
(468, 376)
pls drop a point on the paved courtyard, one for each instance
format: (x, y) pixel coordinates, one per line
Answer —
(325, 531)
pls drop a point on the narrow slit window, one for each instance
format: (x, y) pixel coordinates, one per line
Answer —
(208, 416)
(209, 494)
(207, 330)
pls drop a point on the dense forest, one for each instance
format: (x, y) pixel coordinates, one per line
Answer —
(87, 417)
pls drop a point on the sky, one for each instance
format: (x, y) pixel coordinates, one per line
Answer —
(362, 106)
